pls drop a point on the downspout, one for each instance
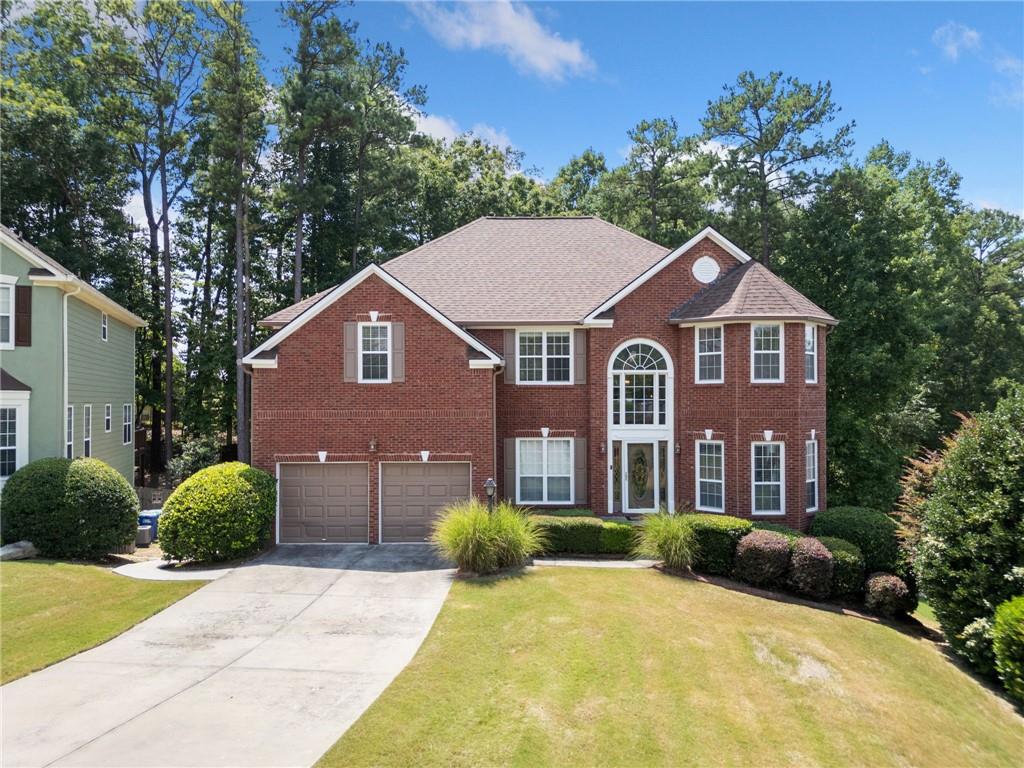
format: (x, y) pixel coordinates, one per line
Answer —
(494, 420)
(64, 413)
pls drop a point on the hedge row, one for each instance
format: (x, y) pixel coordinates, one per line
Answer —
(583, 534)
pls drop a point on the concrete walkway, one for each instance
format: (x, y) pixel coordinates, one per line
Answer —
(266, 666)
(158, 570)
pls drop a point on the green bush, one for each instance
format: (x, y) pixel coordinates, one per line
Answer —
(617, 538)
(848, 569)
(196, 454)
(873, 531)
(810, 568)
(887, 595)
(972, 534)
(668, 538)
(1008, 646)
(569, 513)
(220, 513)
(717, 537)
(790, 533)
(79, 509)
(762, 558)
(573, 535)
(482, 542)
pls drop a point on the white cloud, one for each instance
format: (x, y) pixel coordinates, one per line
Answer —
(953, 38)
(447, 129)
(507, 27)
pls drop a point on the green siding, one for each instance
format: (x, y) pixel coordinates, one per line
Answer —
(40, 366)
(101, 372)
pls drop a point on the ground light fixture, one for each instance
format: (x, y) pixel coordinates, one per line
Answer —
(489, 487)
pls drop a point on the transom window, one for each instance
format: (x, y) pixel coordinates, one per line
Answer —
(811, 479)
(766, 353)
(8, 441)
(544, 357)
(375, 353)
(544, 469)
(811, 354)
(709, 354)
(767, 478)
(7, 315)
(638, 386)
(711, 475)
(69, 437)
(87, 430)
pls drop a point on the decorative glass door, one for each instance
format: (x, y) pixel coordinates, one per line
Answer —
(640, 474)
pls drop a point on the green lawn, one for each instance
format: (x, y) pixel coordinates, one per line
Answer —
(51, 610)
(582, 667)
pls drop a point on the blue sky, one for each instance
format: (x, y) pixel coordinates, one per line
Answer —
(937, 79)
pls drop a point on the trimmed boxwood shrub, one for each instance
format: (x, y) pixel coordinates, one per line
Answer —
(717, 537)
(1008, 646)
(785, 530)
(80, 509)
(575, 535)
(219, 513)
(668, 538)
(616, 538)
(848, 566)
(873, 531)
(762, 558)
(810, 568)
(887, 595)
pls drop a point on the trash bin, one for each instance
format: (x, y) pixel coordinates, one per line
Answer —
(151, 517)
(143, 537)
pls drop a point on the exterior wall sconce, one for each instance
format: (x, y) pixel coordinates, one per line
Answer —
(322, 455)
(679, 450)
(424, 455)
(373, 445)
(602, 448)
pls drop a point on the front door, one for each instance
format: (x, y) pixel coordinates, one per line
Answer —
(644, 479)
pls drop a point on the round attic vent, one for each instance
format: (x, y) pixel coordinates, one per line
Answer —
(705, 269)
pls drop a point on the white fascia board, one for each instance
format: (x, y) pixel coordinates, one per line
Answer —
(261, 363)
(373, 270)
(731, 248)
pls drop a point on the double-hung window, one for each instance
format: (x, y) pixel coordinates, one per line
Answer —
(108, 417)
(87, 430)
(711, 475)
(544, 468)
(104, 326)
(7, 294)
(9, 441)
(766, 348)
(544, 357)
(811, 481)
(374, 353)
(126, 424)
(710, 355)
(811, 354)
(768, 478)
(69, 437)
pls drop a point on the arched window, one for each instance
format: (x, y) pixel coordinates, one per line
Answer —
(638, 386)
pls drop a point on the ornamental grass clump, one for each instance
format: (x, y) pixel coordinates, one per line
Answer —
(668, 538)
(482, 542)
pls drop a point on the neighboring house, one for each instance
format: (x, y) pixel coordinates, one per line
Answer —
(67, 364)
(574, 362)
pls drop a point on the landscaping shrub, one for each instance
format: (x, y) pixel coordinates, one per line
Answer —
(972, 534)
(196, 454)
(481, 542)
(790, 533)
(220, 513)
(1008, 646)
(887, 595)
(617, 538)
(78, 509)
(873, 531)
(575, 535)
(569, 513)
(668, 538)
(762, 558)
(717, 537)
(848, 566)
(810, 568)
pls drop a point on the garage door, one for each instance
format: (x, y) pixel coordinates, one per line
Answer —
(412, 494)
(324, 502)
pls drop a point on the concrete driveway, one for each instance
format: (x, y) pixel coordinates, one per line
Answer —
(266, 666)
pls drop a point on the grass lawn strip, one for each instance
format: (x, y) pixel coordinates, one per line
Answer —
(569, 666)
(52, 610)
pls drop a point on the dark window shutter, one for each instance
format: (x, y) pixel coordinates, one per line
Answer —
(510, 469)
(510, 356)
(351, 355)
(580, 470)
(23, 315)
(398, 351)
(579, 353)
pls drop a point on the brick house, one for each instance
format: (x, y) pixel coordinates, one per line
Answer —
(575, 363)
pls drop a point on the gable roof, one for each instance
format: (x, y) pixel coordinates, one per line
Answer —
(262, 356)
(47, 271)
(747, 292)
(525, 270)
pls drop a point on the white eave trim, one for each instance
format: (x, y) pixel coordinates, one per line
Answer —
(740, 319)
(731, 248)
(372, 270)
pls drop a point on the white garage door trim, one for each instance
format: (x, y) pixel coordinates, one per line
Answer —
(380, 492)
(277, 504)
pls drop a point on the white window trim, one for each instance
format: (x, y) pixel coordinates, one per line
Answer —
(69, 432)
(87, 429)
(782, 478)
(127, 424)
(697, 478)
(781, 353)
(9, 281)
(814, 335)
(811, 449)
(361, 352)
(697, 355)
(104, 327)
(108, 418)
(544, 356)
(544, 462)
(20, 402)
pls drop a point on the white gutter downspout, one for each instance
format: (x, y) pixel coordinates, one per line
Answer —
(494, 422)
(64, 414)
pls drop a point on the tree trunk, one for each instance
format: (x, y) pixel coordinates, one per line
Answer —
(357, 215)
(155, 440)
(300, 217)
(168, 315)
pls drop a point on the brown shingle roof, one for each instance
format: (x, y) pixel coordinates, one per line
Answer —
(10, 384)
(750, 290)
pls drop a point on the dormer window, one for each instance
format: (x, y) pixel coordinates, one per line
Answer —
(766, 346)
(375, 353)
